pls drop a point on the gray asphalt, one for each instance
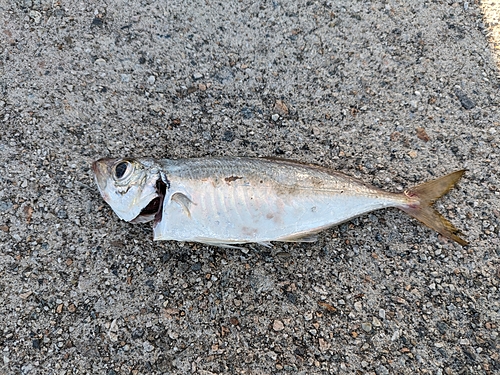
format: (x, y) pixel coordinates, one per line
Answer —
(394, 93)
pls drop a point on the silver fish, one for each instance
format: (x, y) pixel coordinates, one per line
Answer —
(233, 200)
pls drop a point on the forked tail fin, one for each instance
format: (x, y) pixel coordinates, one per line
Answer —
(426, 194)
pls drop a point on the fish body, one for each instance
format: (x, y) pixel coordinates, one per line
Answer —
(230, 200)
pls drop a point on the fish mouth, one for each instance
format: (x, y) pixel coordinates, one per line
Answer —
(154, 209)
(101, 171)
(98, 167)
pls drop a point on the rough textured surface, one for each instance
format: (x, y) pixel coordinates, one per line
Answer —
(392, 92)
(491, 16)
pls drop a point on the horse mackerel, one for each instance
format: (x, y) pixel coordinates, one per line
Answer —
(235, 200)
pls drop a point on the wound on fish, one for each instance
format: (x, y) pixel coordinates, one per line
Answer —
(232, 178)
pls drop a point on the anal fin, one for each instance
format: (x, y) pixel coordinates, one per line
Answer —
(299, 238)
(267, 244)
(218, 243)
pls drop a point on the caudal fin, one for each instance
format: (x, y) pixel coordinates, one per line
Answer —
(426, 194)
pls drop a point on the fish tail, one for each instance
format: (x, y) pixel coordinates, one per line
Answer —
(422, 197)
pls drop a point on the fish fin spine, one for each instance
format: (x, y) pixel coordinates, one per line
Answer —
(299, 238)
(422, 197)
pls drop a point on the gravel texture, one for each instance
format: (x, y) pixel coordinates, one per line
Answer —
(393, 92)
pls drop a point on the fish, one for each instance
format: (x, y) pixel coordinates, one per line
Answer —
(229, 201)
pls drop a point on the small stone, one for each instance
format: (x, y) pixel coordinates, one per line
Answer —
(327, 306)
(147, 346)
(113, 331)
(275, 117)
(413, 154)
(234, 321)
(395, 335)
(272, 355)
(5, 205)
(100, 62)
(367, 327)
(97, 22)
(36, 16)
(281, 108)
(228, 136)
(466, 102)
(202, 87)
(323, 344)
(197, 76)
(278, 325)
(381, 313)
(196, 266)
(376, 322)
(113, 336)
(422, 134)
(382, 370)
(247, 113)
(26, 294)
(71, 308)
(358, 306)
(438, 344)
(36, 343)
(151, 80)
(224, 330)
(308, 316)
(125, 77)
(62, 214)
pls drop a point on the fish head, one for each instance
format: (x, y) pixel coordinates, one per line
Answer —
(132, 187)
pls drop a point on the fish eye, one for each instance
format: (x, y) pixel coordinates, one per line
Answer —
(121, 168)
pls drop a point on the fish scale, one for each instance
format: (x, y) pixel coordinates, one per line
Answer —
(235, 200)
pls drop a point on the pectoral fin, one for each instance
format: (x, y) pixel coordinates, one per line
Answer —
(183, 201)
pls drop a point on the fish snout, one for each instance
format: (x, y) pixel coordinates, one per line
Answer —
(101, 172)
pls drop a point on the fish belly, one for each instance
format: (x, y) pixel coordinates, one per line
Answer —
(244, 211)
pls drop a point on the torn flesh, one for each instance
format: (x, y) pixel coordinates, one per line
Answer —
(154, 209)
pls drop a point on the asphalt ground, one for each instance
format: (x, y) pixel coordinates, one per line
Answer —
(392, 92)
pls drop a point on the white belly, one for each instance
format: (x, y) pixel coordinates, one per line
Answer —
(242, 211)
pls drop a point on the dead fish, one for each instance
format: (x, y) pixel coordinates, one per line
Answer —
(235, 200)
